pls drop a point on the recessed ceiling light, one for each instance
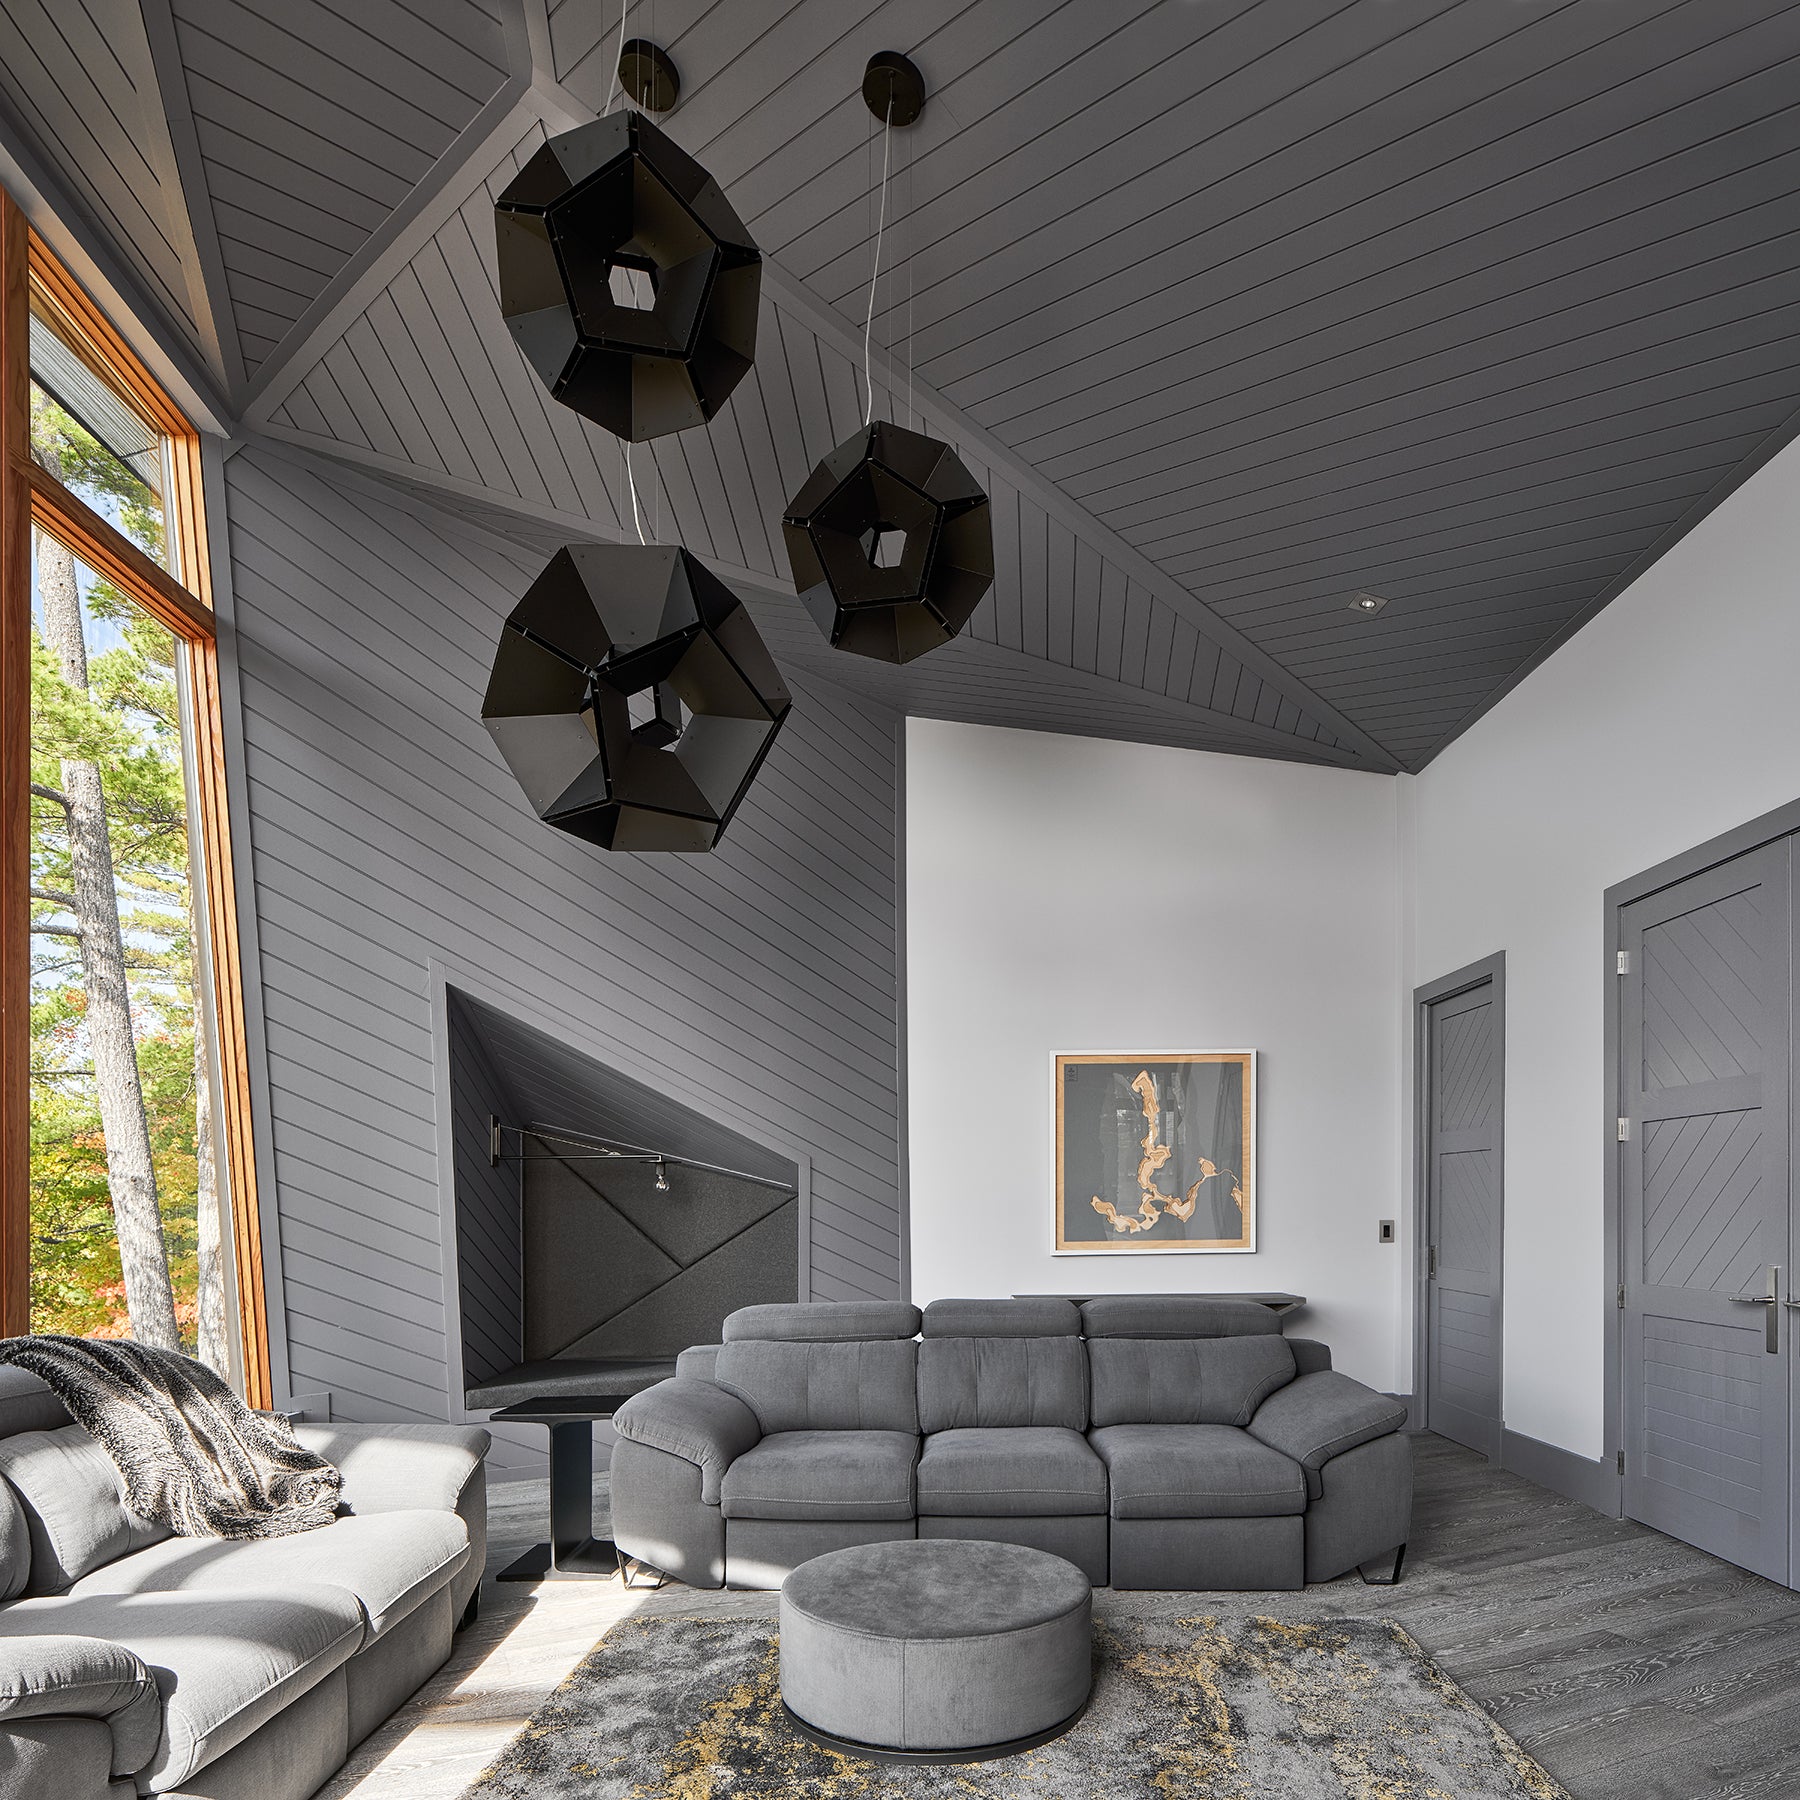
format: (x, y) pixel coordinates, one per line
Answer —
(1368, 603)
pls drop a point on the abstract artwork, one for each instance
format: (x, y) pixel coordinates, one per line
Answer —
(1156, 1152)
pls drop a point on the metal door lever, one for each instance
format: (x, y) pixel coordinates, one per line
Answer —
(1774, 1302)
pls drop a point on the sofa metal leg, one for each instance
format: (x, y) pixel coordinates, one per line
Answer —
(1378, 1579)
(471, 1612)
(630, 1567)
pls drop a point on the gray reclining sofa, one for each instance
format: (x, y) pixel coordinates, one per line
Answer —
(134, 1662)
(1155, 1441)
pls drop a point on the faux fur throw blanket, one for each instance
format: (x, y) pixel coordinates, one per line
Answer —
(192, 1455)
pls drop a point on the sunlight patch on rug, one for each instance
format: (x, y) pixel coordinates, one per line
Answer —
(1215, 1709)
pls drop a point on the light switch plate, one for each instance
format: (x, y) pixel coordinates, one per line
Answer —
(1387, 1231)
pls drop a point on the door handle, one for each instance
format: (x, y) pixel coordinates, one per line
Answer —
(1773, 1301)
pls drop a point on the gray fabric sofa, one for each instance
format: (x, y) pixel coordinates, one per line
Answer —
(134, 1662)
(1155, 1441)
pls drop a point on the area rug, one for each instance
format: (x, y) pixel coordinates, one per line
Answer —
(1215, 1709)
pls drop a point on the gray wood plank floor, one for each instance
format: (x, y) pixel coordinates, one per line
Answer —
(1633, 1667)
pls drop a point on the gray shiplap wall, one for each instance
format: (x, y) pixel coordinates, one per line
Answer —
(757, 985)
(489, 1196)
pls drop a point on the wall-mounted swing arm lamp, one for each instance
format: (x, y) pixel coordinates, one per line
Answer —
(596, 1149)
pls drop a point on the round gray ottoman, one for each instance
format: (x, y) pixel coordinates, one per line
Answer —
(935, 1649)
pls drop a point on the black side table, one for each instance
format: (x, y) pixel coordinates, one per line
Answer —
(573, 1552)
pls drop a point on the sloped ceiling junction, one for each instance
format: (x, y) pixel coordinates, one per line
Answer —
(1238, 309)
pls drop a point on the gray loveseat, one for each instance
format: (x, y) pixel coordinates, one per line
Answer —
(133, 1662)
(1157, 1442)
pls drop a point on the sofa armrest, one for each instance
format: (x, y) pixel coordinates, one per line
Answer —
(695, 1420)
(1310, 1356)
(1316, 1417)
(86, 1678)
(399, 1468)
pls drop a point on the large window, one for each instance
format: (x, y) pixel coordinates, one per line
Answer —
(129, 1199)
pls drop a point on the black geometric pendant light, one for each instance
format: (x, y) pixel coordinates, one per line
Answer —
(610, 213)
(632, 698)
(891, 543)
(891, 540)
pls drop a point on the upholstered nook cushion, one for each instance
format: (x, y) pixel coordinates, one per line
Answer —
(823, 1475)
(1197, 1472)
(223, 1662)
(1010, 1473)
(936, 1643)
(389, 1562)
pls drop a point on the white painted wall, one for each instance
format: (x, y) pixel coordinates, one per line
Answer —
(1669, 719)
(1069, 894)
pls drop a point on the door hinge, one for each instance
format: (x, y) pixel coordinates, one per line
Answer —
(1623, 966)
(1621, 1462)
(1621, 1296)
(1624, 1129)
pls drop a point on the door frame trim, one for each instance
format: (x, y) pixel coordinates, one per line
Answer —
(1447, 987)
(1765, 829)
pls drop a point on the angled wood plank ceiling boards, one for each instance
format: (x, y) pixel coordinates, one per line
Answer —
(1235, 309)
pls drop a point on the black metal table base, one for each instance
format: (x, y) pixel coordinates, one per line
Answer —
(573, 1553)
(593, 1559)
(880, 1753)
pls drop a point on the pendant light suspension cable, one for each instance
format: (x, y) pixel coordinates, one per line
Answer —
(887, 129)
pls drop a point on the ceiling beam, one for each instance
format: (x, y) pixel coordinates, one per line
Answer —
(88, 254)
(512, 111)
(196, 228)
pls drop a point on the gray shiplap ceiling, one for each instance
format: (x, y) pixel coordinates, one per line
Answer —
(1237, 308)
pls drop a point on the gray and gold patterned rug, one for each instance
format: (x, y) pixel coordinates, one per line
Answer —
(1216, 1709)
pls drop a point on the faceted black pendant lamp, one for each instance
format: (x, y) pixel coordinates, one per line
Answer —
(607, 214)
(632, 698)
(891, 543)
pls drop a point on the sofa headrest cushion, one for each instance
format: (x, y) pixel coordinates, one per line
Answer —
(26, 1404)
(823, 1322)
(1042, 1317)
(1184, 1381)
(74, 1506)
(1175, 1316)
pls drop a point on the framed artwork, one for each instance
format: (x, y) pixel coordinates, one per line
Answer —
(1156, 1153)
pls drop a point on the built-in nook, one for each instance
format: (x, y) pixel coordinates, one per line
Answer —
(600, 1225)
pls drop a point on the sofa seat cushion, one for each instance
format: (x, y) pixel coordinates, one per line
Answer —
(1010, 1472)
(1196, 1472)
(863, 1475)
(224, 1662)
(388, 1562)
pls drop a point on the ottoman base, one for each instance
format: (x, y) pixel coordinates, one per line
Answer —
(879, 1753)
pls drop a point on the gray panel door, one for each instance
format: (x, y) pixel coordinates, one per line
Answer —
(1704, 1026)
(1463, 1216)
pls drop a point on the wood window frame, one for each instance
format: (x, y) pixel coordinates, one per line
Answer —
(29, 497)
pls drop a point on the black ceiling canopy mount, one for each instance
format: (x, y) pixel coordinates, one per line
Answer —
(893, 87)
(632, 698)
(648, 74)
(891, 543)
(627, 279)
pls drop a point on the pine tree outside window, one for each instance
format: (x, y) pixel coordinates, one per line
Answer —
(129, 1197)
